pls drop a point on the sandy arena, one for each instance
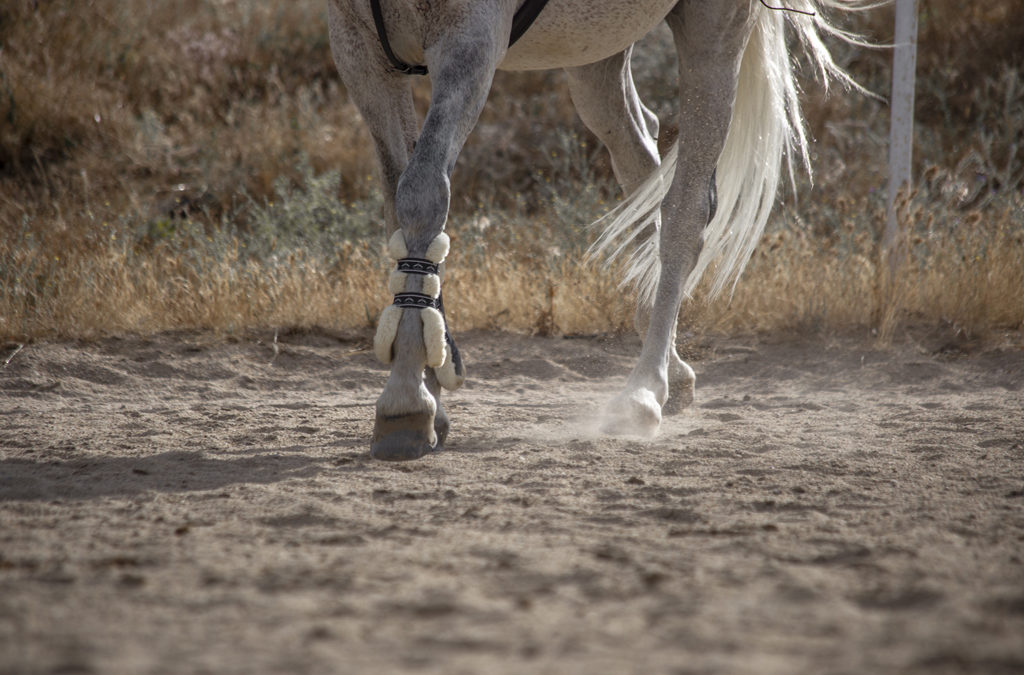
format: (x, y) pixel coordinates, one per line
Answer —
(183, 504)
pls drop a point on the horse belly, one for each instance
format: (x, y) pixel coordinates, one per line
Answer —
(576, 32)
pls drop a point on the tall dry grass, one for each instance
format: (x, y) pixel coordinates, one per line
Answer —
(196, 164)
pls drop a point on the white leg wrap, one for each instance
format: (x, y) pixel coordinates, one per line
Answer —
(446, 374)
(436, 252)
(431, 284)
(439, 356)
(396, 246)
(438, 249)
(387, 330)
(433, 337)
(396, 282)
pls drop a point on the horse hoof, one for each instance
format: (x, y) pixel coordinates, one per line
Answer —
(441, 431)
(400, 438)
(679, 399)
(634, 413)
(681, 384)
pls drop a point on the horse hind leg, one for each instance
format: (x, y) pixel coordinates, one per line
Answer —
(607, 101)
(682, 381)
(709, 38)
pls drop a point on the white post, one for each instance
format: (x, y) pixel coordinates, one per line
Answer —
(901, 112)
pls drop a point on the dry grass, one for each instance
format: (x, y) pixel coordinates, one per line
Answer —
(196, 164)
(968, 279)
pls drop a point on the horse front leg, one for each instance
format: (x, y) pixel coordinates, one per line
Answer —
(384, 99)
(709, 38)
(412, 334)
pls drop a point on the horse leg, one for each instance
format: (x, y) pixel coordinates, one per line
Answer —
(682, 380)
(607, 101)
(409, 421)
(384, 99)
(709, 38)
(382, 96)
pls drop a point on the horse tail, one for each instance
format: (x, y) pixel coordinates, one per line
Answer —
(766, 128)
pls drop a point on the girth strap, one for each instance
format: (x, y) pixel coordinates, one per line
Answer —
(524, 18)
(382, 33)
(521, 22)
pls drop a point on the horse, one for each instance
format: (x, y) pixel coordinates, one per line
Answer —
(706, 202)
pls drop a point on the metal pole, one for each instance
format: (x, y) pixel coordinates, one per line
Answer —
(901, 115)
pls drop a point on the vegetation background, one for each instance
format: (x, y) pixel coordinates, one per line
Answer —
(196, 164)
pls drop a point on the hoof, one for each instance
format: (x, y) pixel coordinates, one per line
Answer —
(679, 399)
(682, 381)
(441, 431)
(633, 413)
(400, 438)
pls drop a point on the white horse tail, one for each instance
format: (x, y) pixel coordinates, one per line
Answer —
(766, 127)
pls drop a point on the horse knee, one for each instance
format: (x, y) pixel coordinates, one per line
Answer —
(421, 203)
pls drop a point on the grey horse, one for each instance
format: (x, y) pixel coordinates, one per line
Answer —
(707, 201)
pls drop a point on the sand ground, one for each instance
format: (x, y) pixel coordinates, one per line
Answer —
(188, 504)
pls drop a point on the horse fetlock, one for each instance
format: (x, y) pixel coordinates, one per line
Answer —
(416, 284)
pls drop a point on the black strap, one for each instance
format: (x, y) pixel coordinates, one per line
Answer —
(521, 22)
(414, 300)
(382, 33)
(524, 18)
(417, 266)
(424, 301)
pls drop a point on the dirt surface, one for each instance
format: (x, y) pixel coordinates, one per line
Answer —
(180, 504)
